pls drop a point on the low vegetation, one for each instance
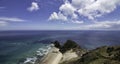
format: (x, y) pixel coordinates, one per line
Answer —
(101, 55)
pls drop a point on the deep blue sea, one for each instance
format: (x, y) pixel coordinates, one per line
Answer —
(18, 45)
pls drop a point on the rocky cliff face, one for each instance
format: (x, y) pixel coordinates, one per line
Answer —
(101, 55)
(68, 45)
(71, 53)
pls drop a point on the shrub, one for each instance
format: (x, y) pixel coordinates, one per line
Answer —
(69, 45)
(57, 44)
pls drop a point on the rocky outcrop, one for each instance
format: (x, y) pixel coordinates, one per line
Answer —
(71, 53)
(62, 53)
(70, 50)
(101, 55)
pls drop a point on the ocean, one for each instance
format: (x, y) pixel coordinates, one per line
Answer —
(24, 46)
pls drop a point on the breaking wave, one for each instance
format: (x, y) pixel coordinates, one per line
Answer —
(39, 54)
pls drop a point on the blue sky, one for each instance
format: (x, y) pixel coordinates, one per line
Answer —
(59, 15)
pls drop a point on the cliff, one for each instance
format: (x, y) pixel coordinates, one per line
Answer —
(71, 53)
(101, 55)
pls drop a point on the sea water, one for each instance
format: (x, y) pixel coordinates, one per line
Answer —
(24, 46)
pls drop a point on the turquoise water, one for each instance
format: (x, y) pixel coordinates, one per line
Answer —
(14, 50)
(21, 51)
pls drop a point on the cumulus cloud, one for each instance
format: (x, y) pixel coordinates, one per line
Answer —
(34, 7)
(66, 13)
(96, 8)
(68, 10)
(13, 19)
(57, 16)
(90, 9)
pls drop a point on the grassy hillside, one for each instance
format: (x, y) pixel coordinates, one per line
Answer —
(102, 55)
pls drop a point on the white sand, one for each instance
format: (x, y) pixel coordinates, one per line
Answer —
(53, 57)
(68, 56)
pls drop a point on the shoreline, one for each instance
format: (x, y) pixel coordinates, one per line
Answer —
(72, 53)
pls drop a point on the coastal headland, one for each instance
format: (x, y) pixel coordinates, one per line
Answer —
(71, 53)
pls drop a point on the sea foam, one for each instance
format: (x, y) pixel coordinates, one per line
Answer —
(40, 52)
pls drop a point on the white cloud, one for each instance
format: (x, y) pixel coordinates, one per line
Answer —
(97, 8)
(13, 19)
(57, 16)
(87, 8)
(3, 23)
(66, 13)
(81, 3)
(105, 24)
(34, 7)
(78, 22)
(68, 10)
(101, 25)
(6, 20)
